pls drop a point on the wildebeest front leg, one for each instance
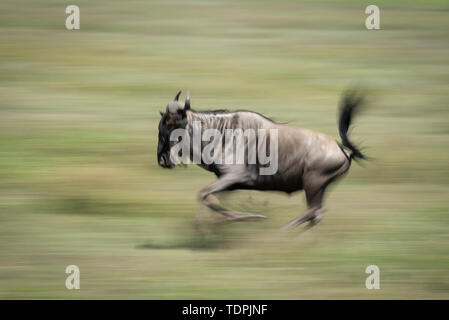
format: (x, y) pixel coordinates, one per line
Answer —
(223, 184)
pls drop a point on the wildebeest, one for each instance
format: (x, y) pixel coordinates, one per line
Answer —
(307, 160)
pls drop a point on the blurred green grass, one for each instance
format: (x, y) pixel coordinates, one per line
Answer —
(78, 133)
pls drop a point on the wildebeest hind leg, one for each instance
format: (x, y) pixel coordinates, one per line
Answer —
(306, 216)
(315, 191)
(223, 184)
(314, 196)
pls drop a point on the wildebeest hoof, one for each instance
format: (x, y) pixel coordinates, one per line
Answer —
(315, 220)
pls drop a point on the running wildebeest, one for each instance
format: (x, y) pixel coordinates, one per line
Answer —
(307, 160)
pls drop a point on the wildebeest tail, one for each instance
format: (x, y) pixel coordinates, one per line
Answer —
(349, 106)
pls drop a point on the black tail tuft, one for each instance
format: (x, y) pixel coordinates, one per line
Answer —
(349, 105)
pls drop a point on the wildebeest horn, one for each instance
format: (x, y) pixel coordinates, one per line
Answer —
(177, 95)
(187, 102)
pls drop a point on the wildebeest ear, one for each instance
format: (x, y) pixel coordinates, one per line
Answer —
(161, 113)
(177, 96)
(187, 102)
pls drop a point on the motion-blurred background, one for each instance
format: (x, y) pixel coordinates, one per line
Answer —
(80, 183)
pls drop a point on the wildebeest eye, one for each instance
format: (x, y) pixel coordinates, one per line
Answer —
(169, 122)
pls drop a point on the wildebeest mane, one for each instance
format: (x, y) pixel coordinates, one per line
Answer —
(226, 111)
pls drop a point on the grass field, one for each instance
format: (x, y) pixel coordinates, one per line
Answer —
(79, 181)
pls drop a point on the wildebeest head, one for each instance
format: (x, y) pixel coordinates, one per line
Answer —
(175, 117)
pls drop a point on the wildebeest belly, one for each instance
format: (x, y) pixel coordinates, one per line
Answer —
(272, 183)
